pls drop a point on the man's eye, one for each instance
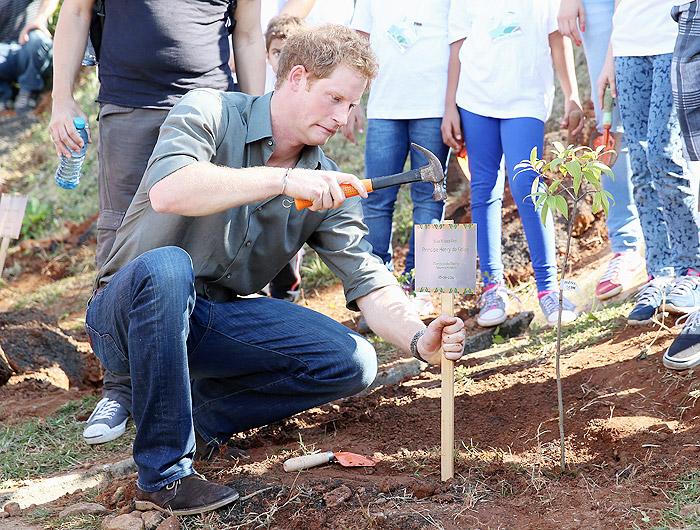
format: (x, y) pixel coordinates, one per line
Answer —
(276, 54)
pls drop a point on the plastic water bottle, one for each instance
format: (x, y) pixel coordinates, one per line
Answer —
(70, 169)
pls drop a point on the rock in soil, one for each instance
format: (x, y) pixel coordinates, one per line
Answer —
(83, 508)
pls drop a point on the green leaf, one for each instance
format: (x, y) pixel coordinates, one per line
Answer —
(606, 204)
(560, 203)
(533, 155)
(574, 168)
(543, 213)
(554, 185)
(535, 188)
(577, 185)
(596, 203)
(559, 147)
(594, 180)
(602, 167)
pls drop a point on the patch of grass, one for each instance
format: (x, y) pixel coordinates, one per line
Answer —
(41, 447)
(315, 273)
(688, 494)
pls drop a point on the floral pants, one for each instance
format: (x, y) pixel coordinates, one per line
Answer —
(664, 190)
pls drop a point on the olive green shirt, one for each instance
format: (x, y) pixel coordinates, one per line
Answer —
(238, 251)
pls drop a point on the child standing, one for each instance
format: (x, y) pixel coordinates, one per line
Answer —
(499, 94)
(638, 70)
(405, 106)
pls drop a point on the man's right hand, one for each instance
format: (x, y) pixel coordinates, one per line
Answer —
(63, 132)
(321, 187)
(571, 12)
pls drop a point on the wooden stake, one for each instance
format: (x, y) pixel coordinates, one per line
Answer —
(447, 399)
(3, 252)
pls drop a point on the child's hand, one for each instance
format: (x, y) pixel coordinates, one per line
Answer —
(573, 119)
(452, 128)
(356, 119)
(607, 77)
(569, 12)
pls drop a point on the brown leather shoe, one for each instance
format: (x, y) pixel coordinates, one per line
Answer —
(187, 496)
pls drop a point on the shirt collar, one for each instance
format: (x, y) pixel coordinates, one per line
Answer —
(260, 128)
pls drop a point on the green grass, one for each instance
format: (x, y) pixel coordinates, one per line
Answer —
(41, 447)
(688, 494)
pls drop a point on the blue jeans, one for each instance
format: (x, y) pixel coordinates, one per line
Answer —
(624, 230)
(487, 140)
(386, 148)
(220, 367)
(665, 192)
(27, 65)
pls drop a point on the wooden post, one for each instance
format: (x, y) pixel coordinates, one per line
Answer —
(3, 252)
(447, 399)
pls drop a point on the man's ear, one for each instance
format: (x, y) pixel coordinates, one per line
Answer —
(297, 77)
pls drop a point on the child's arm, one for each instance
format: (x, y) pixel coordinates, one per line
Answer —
(571, 16)
(563, 61)
(451, 122)
(607, 74)
(249, 48)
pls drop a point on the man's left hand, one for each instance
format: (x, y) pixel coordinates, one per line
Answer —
(444, 333)
(24, 34)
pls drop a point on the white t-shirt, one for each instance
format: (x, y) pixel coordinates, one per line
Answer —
(643, 27)
(506, 65)
(409, 38)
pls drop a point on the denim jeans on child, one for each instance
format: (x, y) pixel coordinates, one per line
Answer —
(222, 367)
(386, 148)
(664, 190)
(624, 230)
(26, 64)
(487, 140)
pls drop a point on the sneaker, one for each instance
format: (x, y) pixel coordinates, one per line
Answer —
(622, 268)
(493, 304)
(549, 303)
(362, 327)
(684, 352)
(26, 101)
(685, 295)
(422, 303)
(106, 423)
(650, 298)
(186, 496)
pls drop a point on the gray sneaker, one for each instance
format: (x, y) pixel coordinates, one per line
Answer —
(26, 101)
(106, 423)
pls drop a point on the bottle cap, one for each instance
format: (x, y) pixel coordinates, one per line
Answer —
(79, 123)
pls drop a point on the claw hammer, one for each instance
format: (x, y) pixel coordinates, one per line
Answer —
(432, 172)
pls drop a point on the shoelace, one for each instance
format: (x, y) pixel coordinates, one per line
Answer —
(650, 291)
(175, 485)
(107, 410)
(550, 303)
(491, 297)
(22, 99)
(613, 268)
(686, 284)
(692, 321)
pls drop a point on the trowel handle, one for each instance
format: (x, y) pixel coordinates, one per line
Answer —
(607, 107)
(304, 462)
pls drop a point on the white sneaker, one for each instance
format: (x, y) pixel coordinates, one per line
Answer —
(494, 305)
(106, 423)
(422, 303)
(550, 307)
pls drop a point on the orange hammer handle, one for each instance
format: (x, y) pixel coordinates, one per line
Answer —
(348, 190)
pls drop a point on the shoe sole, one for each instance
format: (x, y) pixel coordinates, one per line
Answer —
(680, 310)
(673, 365)
(104, 438)
(491, 323)
(609, 294)
(145, 506)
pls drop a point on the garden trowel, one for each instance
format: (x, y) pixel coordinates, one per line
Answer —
(607, 140)
(344, 459)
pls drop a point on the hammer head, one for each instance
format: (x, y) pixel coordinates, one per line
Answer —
(433, 173)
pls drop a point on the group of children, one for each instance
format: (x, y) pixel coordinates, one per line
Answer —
(456, 73)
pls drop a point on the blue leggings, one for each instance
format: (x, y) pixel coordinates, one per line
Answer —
(487, 140)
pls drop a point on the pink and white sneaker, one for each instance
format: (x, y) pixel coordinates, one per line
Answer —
(622, 269)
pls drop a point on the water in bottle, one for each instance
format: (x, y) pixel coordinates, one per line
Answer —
(69, 169)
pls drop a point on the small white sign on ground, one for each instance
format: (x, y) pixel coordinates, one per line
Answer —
(11, 214)
(446, 258)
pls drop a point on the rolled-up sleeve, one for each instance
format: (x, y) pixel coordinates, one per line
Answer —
(339, 241)
(190, 133)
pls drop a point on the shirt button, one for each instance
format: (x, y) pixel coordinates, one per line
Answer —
(247, 243)
(269, 142)
(228, 276)
(259, 208)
